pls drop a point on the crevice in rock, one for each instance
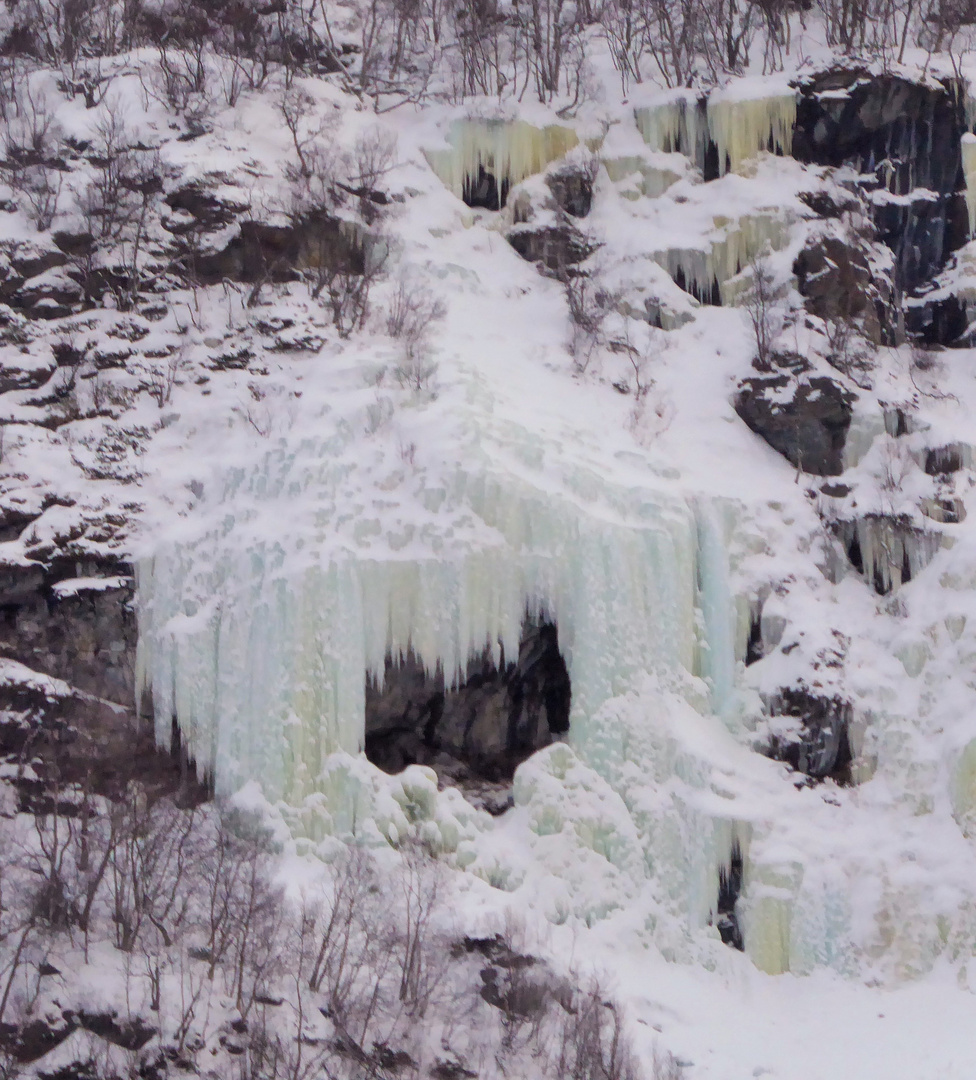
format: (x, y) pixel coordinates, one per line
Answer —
(483, 190)
(729, 888)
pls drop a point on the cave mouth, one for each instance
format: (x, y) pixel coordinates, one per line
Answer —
(476, 733)
(484, 190)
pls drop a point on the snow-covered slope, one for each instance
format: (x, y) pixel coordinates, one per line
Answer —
(305, 498)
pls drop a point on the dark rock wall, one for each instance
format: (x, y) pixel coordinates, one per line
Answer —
(87, 638)
(903, 139)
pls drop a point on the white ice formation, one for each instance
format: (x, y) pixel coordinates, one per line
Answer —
(261, 652)
(969, 172)
(740, 127)
(729, 248)
(509, 150)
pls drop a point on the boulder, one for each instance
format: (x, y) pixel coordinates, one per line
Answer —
(572, 188)
(806, 419)
(553, 246)
(836, 277)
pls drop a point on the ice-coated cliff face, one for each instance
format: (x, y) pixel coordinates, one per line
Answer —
(627, 504)
(259, 643)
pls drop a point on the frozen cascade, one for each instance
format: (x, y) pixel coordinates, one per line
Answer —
(261, 652)
(740, 127)
(969, 172)
(705, 273)
(508, 150)
(258, 644)
(678, 125)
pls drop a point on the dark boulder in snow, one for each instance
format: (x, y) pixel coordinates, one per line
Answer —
(814, 739)
(805, 419)
(836, 276)
(554, 246)
(572, 188)
(131, 1033)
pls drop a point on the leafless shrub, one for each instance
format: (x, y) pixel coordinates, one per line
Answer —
(589, 306)
(313, 142)
(421, 889)
(759, 302)
(593, 1043)
(163, 375)
(30, 145)
(152, 864)
(412, 316)
(373, 157)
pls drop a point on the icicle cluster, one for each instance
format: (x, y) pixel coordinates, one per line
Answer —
(735, 244)
(891, 551)
(678, 125)
(969, 171)
(739, 127)
(509, 150)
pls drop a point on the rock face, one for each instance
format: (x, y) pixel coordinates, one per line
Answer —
(572, 188)
(905, 138)
(838, 282)
(480, 730)
(817, 744)
(67, 678)
(73, 621)
(552, 246)
(806, 420)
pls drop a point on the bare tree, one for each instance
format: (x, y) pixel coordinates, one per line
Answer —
(411, 318)
(421, 888)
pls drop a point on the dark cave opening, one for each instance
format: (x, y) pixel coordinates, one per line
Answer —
(484, 191)
(476, 733)
(729, 887)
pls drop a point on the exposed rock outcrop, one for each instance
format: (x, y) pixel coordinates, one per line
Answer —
(805, 418)
(902, 141)
(553, 246)
(816, 743)
(836, 277)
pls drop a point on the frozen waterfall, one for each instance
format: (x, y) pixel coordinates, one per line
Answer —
(260, 647)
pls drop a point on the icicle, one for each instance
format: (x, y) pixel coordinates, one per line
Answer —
(702, 271)
(892, 552)
(969, 171)
(508, 150)
(678, 125)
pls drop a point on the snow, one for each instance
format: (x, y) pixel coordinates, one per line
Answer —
(291, 540)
